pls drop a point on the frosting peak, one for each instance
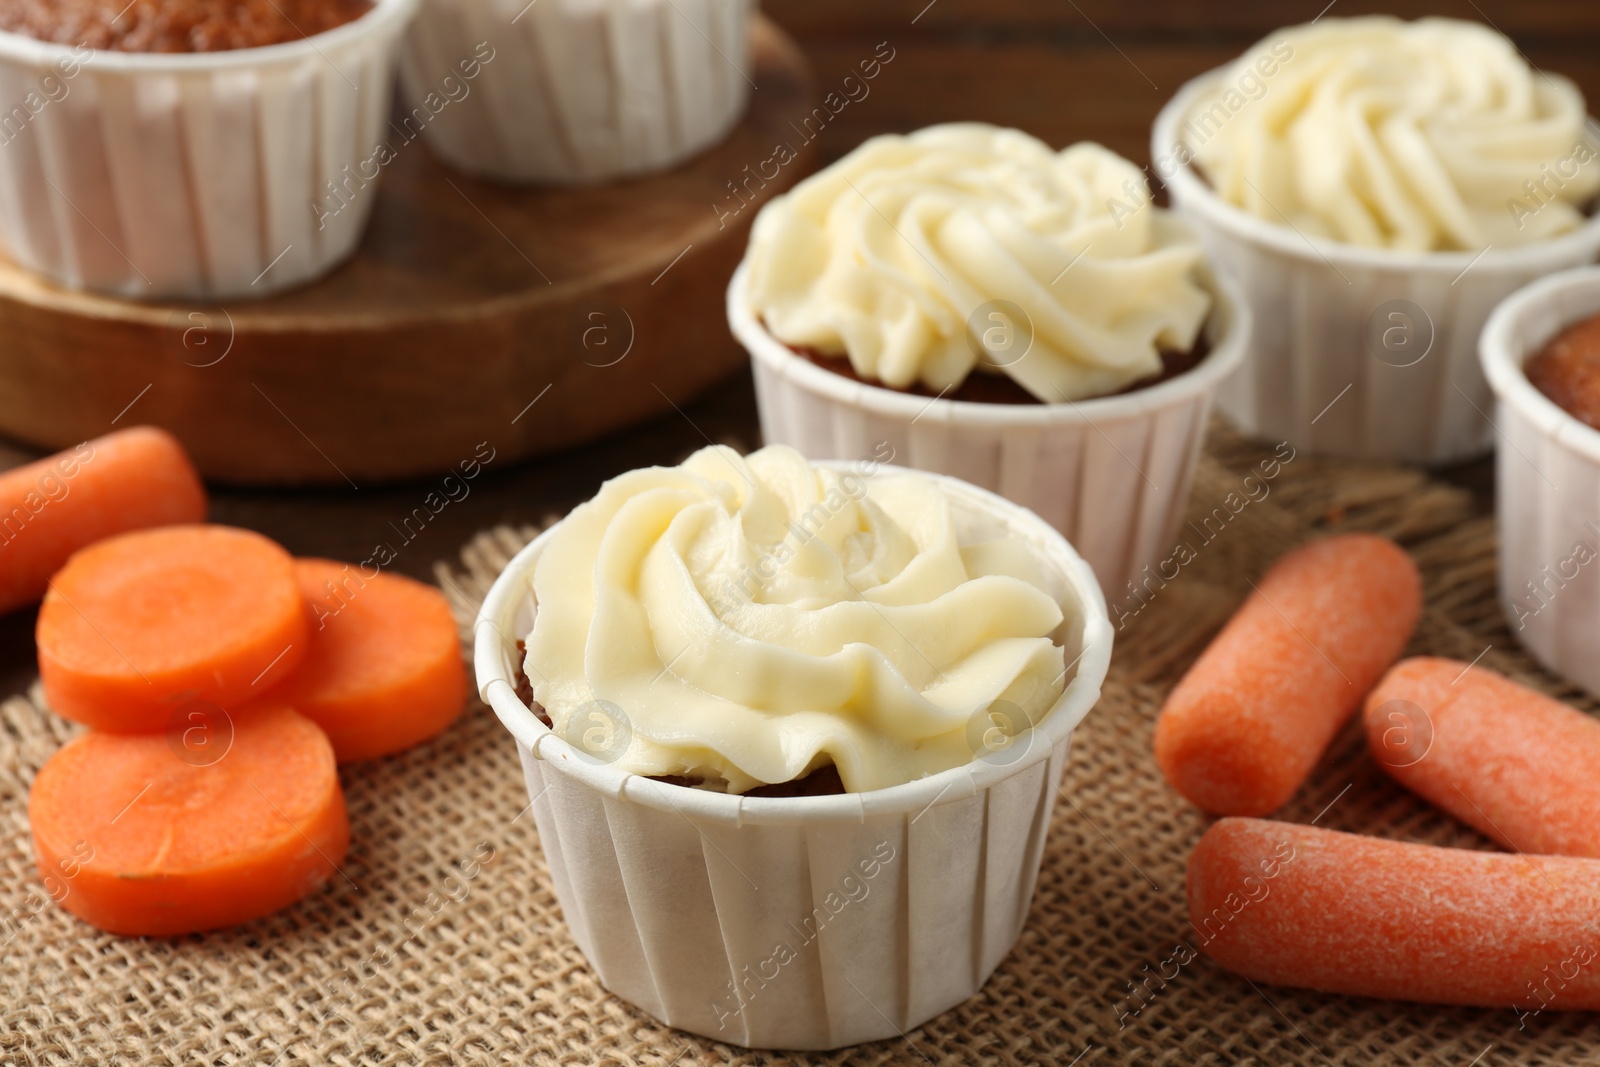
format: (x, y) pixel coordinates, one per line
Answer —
(1423, 136)
(751, 619)
(886, 256)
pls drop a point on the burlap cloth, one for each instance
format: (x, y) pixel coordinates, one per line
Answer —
(445, 944)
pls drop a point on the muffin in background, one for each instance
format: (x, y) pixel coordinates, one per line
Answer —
(575, 91)
(234, 173)
(1377, 186)
(177, 25)
(1567, 370)
(1022, 318)
(1547, 472)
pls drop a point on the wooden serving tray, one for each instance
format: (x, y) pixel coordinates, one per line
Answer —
(531, 319)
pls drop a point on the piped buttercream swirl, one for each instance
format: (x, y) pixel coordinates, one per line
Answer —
(888, 255)
(747, 620)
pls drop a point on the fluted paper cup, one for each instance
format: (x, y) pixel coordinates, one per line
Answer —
(1113, 474)
(810, 922)
(1359, 352)
(1547, 497)
(153, 175)
(572, 91)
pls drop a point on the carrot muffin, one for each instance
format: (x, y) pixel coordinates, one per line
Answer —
(1567, 370)
(177, 25)
(1541, 353)
(1377, 186)
(733, 623)
(217, 148)
(583, 91)
(1023, 319)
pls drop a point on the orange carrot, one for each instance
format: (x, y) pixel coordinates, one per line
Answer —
(1244, 727)
(384, 671)
(222, 821)
(127, 480)
(1342, 913)
(138, 623)
(1514, 763)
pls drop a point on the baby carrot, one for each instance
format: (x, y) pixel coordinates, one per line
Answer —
(150, 834)
(1343, 913)
(384, 670)
(1245, 726)
(1515, 764)
(135, 624)
(127, 480)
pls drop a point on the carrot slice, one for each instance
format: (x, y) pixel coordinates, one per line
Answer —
(1343, 913)
(128, 480)
(384, 670)
(224, 821)
(136, 624)
(1245, 726)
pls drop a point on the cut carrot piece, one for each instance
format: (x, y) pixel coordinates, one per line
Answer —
(128, 480)
(1513, 763)
(159, 834)
(384, 670)
(1244, 727)
(136, 624)
(1342, 913)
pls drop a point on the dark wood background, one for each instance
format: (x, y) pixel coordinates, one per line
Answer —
(1064, 70)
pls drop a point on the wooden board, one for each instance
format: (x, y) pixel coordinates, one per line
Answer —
(531, 319)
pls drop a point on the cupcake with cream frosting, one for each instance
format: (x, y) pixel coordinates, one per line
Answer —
(699, 635)
(995, 309)
(1378, 185)
(577, 91)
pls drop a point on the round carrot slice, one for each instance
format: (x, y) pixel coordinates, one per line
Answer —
(135, 625)
(384, 669)
(222, 820)
(128, 480)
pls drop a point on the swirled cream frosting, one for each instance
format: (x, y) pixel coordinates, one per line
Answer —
(888, 254)
(1421, 136)
(742, 621)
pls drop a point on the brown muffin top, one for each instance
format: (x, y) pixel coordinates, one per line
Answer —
(1567, 370)
(176, 25)
(985, 388)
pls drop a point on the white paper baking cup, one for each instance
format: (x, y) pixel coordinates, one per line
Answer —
(577, 90)
(1547, 495)
(154, 175)
(1355, 351)
(1113, 474)
(675, 894)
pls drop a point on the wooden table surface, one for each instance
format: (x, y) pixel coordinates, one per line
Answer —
(1064, 70)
